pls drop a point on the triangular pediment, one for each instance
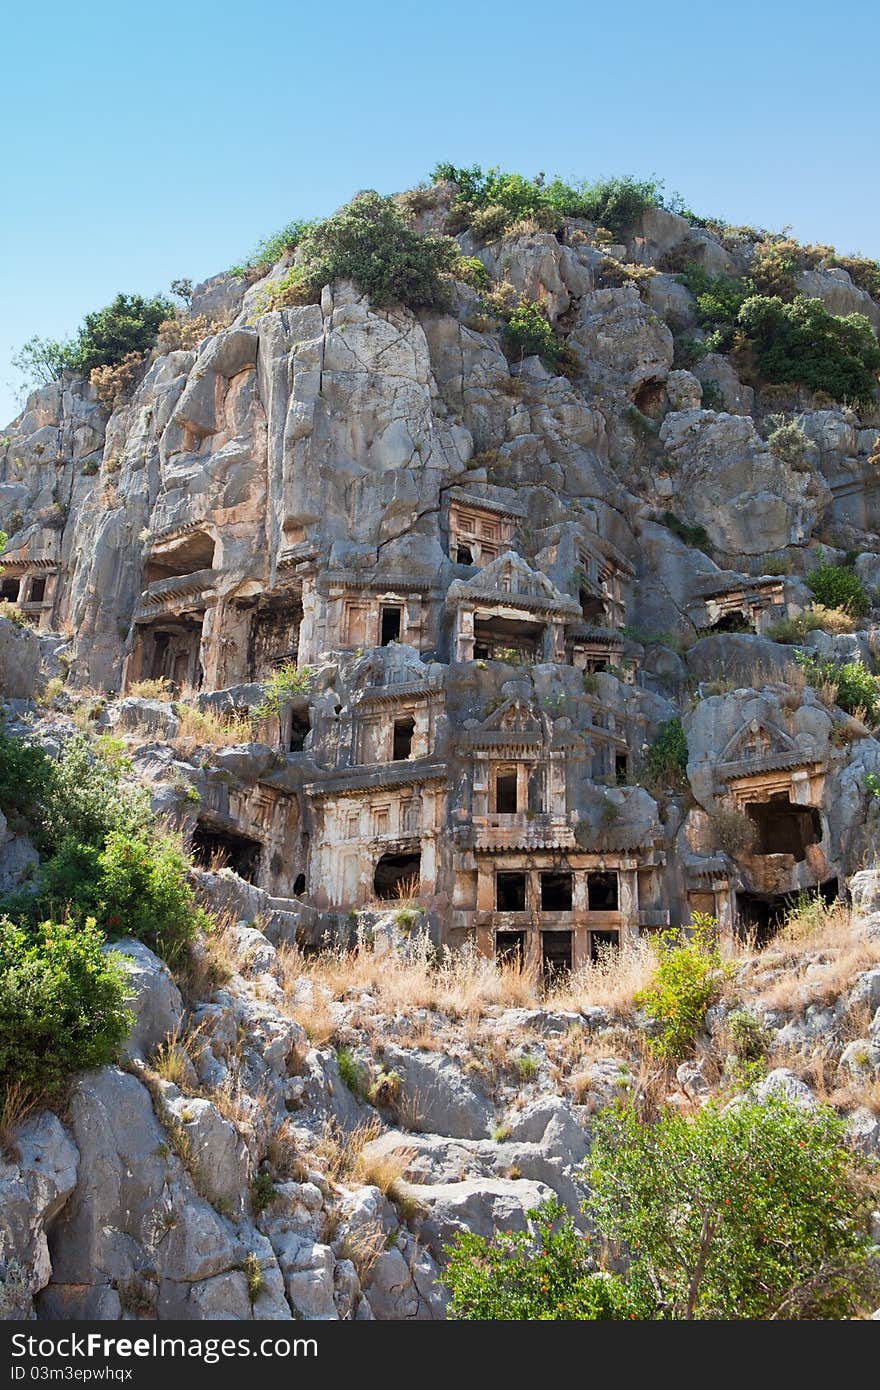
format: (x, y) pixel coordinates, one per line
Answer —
(513, 577)
(515, 716)
(757, 739)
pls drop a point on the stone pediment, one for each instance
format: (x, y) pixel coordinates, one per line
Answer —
(515, 716)
(757, 740)
(512, 581)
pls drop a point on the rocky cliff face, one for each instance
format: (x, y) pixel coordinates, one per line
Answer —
(501, 586)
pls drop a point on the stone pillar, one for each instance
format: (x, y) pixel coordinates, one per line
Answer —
(628, 903)
(522, 786)
(463, 637)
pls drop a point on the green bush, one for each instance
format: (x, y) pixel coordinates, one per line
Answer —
(143, 892)
(613, 203)
(719, 300)
(528, 333)
(802, 343)
(270, 251)
(102, 859)
(667, 757)
(353, 1073)
(755, 1211)
(788, 442)
(62, 1003)
(687, 980)
(546, 1274)
(851, 685)
(775, 266)
(836, 586)
(368, 241)
(284, 685)
(694, 535)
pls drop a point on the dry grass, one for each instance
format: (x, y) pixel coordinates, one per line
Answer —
(200, 728)
(282, 1154)
(211, 960)
(820, 954)
(159, 689)
(341, 1150)
(363, 1247)
(458, 984)
(16, 1104)
(611, 982)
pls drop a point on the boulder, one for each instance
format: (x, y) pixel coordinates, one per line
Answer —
(19, 661)
(154, 999)
(783, 1084)
(444, 1098)
(481, 1205)
(36, 1179)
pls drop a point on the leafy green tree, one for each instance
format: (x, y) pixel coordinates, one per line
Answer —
(62, 1003)
(42, 360)
(547, 1273)
(752, 1211)
(129, 324)
(801, 342)
(687, 980)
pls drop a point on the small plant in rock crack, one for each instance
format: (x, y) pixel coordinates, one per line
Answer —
(263, 1193)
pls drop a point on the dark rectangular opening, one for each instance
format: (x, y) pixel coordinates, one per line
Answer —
(223, 849)
(9, 590)
(555, 953)
(602, 892)
(592, 608)
(760, 915)
(391, 619)
(299, 727)
(510, 892)
(783, 827)
(510, 947)
(402, 738)
(37, 589)
(621, 767)
(556, 892)
(505, 793)
(601, 942)
(464, 555)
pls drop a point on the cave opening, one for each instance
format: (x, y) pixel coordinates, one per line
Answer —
(761, 915)
(300, 724)
(783, 826)
(506, 639)
(226, 849)
(397, 876)
(391, 620)
(190, 554)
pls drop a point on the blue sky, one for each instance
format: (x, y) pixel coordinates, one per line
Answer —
(141, 142)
